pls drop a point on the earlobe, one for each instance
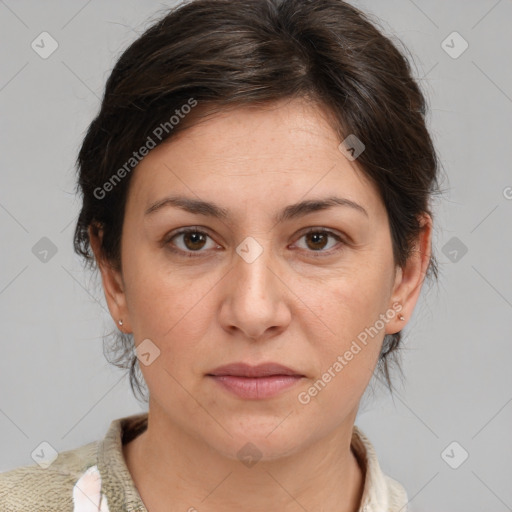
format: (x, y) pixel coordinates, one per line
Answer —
(111, 278)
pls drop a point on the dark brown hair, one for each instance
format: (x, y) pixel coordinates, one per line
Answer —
(223, 54)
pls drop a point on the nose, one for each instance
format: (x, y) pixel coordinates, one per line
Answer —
(256, 298)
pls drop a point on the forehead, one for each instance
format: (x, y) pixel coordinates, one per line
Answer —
(252, 155)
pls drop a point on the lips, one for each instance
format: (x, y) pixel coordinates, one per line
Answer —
(261, 370)
(260, 382)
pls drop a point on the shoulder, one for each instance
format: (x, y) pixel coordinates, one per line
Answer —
(37, 488)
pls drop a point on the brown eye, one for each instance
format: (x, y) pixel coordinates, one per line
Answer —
(317, 240)
(189, 241)
(194, 240)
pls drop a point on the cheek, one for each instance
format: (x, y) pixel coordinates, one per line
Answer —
(354, 301)
(164, 305)
(352, 306)
(347, 355)
(170, 306)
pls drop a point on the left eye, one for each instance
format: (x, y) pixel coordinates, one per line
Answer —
(317, 239)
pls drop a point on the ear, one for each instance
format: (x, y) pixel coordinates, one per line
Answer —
(112, 281)
(410, 278)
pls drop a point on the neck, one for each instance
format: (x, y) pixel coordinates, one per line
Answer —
(174, 471)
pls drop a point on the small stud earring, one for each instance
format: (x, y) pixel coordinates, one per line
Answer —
(401, 317)
(120, 322)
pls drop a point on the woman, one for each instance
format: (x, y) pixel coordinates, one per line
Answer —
(256, 195)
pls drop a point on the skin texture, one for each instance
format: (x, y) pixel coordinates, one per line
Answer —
(286, 306)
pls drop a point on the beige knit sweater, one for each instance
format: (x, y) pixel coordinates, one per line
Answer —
(95, 478)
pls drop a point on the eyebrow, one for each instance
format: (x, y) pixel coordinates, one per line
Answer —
(293, 211)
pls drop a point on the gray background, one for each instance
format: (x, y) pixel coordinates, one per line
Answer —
(55, 384)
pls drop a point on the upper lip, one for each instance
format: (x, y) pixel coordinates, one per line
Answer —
(260, 370)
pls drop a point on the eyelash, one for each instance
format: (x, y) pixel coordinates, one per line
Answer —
(192, 254)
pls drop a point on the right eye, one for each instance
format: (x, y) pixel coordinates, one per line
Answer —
(192, 241)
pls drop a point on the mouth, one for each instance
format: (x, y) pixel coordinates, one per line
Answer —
(261, 370)
(255, 382)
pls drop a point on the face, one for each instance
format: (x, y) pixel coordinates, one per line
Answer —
(312, 289)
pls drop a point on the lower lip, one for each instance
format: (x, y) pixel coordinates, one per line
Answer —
(256, 388)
